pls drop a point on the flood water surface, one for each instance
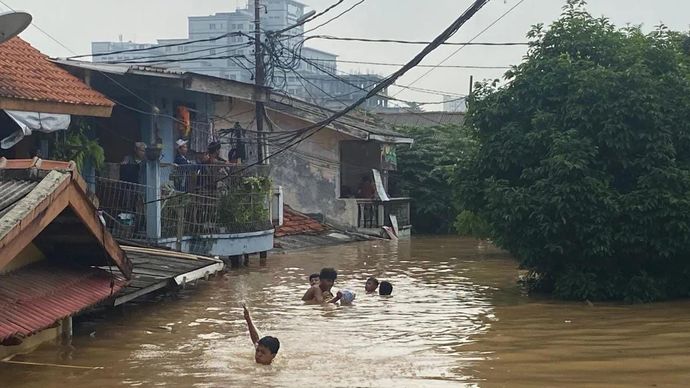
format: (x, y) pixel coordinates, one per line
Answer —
(456, 318)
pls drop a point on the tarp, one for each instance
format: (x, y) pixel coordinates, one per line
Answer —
(33, 121)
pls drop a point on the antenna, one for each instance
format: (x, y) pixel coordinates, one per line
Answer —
(12, 23)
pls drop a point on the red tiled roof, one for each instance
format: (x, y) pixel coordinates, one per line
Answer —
(295, 223)
(36, 296)
(27, 74)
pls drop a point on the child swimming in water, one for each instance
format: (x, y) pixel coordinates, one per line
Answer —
(313, 279)
(386, 288)
(321, 293)
(266, 348)
(371, 285)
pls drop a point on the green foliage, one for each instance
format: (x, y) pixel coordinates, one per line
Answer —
(424, 172)
(243, 206)
(78, 144)
(468, 223)
(583, 164)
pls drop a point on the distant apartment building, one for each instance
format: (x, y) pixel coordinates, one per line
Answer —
(112, 49)
(454, 104)
(352, 87)
(232, 57)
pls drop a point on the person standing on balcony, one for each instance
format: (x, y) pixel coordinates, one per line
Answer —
(132, 167)
(366, 189)
(182, 150)
(212, 154)
(213, 170)
(184, 176)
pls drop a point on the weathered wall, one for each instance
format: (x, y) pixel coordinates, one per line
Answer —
(309, 173)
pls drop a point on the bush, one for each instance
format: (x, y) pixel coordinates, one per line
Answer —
(583, 167)
(244, 208)
(424, 172)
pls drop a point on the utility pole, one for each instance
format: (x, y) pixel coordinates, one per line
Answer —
(259, 81)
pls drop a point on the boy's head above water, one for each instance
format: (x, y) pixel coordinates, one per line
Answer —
(371, 284)
(386, 288)
(313, 279)
(327, 278)
(266, 350)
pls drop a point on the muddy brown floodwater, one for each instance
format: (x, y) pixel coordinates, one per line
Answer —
(456, 318)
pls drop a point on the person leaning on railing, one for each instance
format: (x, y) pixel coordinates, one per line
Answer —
(213, 167)
(212, 155)
(186, 168)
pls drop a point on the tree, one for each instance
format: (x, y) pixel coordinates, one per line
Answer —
(424, 171)
(583, 167)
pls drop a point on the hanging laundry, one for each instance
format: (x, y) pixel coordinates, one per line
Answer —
(184, 123)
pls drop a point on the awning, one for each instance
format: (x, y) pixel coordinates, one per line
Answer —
(33, 121)
(38, 295)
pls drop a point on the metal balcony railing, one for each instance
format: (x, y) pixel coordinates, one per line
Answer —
(374, 214)
(198, 200)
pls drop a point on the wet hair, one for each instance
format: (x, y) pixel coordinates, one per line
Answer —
(374, 280)
(312, 276)
(328, 274)
(271, 343)
(386, 288)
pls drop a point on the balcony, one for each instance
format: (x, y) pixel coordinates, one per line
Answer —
(209, 209)
(374, 214)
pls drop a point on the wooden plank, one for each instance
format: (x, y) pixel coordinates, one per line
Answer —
(199, 273)
(55, 107)
(145, 278)
(84, 209)
(172, 261)
(171, 271)
(139, 293)
(157, 273)
(160, 252)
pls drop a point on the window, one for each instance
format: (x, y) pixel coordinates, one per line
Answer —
(212, 26)
(212, 51)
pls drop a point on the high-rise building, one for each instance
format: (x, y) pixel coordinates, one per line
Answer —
(456, 104)
(232, 57)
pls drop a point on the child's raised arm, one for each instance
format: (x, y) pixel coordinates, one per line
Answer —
(252, 330)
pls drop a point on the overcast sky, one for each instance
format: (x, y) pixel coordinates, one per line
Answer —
(76, 23)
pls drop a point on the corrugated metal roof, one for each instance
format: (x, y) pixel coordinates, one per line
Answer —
(36, 296)
(12, 191)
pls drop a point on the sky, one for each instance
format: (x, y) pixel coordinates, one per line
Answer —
(75, 23)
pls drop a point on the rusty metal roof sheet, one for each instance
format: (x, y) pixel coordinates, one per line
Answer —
(36, 296)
